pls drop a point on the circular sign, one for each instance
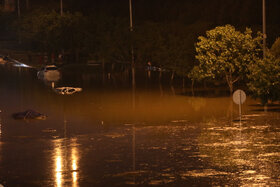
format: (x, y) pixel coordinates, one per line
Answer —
(239, 97)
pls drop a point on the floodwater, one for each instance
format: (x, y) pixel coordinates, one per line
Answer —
(104, 136)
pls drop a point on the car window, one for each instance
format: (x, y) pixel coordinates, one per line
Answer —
(51, 68)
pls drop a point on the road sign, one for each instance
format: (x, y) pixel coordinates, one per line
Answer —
(239, 97)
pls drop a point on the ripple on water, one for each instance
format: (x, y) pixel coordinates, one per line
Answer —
(275, 154)
(204, 173)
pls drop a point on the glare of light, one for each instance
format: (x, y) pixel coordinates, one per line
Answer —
(74, 159)
(61, 167)
(22, 65)
(18, 64)
(58, 179)
(58, 165)
(0, 129)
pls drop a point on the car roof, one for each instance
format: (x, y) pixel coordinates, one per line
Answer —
(48, 66)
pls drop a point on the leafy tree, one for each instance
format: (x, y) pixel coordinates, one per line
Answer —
(264, 78)
(109, 39)
(225, 53)
(275, 49)
(167, 46)
(52, 32)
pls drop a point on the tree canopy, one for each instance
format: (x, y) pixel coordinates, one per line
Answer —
(225, 53)
(50, 31)
(275, 49)
(264, 79)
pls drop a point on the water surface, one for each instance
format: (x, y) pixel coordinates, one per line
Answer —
(97, 137)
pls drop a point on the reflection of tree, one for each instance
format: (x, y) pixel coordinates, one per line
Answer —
(197, 102)
(248, 150)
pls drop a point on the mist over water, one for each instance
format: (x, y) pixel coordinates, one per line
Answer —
(97, 138)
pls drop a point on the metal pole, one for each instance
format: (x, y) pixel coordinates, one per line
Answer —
(130, 15)
(18, 8)
(132, 57)
(27, 4)
(240, 112)
(264, 29)
(61, 7)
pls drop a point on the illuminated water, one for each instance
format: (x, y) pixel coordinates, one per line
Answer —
(96, 138)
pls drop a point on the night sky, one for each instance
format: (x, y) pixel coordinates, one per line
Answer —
(247, 12)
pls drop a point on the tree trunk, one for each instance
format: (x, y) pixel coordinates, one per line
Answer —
(183, 85)
(230, 88)
(77, 55)
(172, 77)
(229, 82)
(27, 4)
(193, 87)
(172, 90)
(160, 74)
(103, 71)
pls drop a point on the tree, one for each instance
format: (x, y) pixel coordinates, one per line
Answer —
(109, 39)
(167, 46)
(264, 78)
(225, 53)
(275, 49)
(52, 32)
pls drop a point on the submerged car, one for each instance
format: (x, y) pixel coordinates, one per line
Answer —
(67, 90)
(49, 73)
(29, 114)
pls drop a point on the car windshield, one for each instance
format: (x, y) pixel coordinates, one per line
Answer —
(51, 68)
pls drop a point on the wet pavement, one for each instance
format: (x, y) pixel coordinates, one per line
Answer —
(96, 137)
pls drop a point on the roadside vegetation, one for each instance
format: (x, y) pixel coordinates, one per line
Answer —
(186, 44)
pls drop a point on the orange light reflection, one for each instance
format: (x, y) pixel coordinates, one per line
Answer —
(58, 164)
(61, 160)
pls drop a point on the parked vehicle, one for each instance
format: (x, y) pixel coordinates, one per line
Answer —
(67, 90)
(29, 114)
(49, 73)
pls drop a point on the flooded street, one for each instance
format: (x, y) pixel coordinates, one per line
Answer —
(97, 138)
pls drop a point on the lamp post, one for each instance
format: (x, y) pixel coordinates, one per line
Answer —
(132, 57)
(18, 8)
(264, 28)
(61, 7)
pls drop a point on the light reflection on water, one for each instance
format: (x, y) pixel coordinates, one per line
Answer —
(66, 162)
(250, 148)
(0, 127)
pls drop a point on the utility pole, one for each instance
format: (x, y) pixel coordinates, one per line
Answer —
(18, 8)
(132, 57)
(264, 28)
(61, 7)
(27, 4)
(18, 12)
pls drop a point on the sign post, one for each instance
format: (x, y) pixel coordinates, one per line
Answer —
(239, 98)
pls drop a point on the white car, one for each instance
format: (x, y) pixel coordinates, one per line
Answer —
(67, 90)
(49, 73)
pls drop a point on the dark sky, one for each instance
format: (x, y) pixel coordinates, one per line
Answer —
(240, 13)
(236, 11)
(220, 11)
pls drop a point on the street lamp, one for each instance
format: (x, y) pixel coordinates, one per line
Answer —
(132, 57)
(18, 8)
(61, 7)
(264, 28)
